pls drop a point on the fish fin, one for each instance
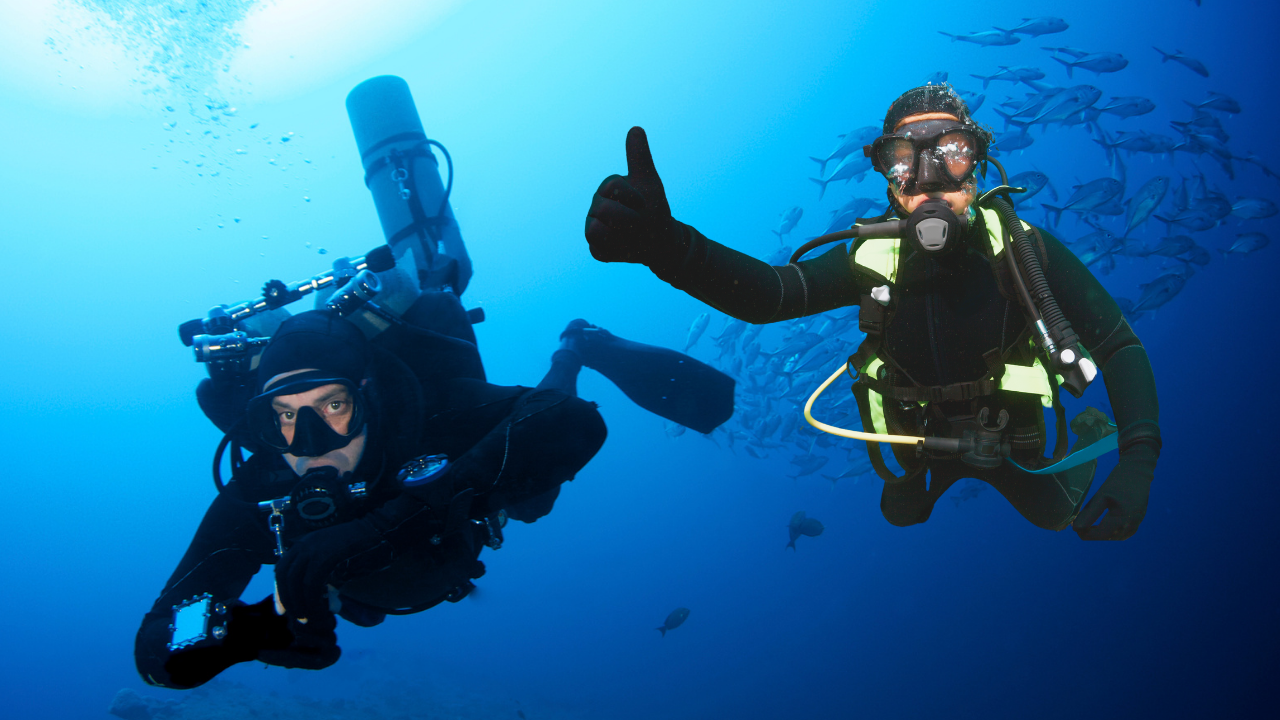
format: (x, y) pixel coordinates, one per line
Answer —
(1057, 212)
(1164, 56)
(662, 630)
(822, 186)
(1065, 64)
(953, 37)
(985, 80)
(822, 164)
(791, 545)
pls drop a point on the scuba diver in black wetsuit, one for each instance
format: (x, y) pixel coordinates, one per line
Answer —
(380, 469)
(970, 316)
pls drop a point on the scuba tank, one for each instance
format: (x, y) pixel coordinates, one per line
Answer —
(403, 175)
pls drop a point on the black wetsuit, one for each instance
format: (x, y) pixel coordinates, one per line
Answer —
(511, 447)
(945, 315)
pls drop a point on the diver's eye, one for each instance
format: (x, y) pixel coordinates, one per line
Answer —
(336, 406)
(286, 416)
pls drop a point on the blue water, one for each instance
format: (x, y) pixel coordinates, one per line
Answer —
(114, 235)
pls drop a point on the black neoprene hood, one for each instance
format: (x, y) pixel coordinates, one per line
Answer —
(926, 99)
(318, 339)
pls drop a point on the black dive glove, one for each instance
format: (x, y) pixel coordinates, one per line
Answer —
(251, 629)
(630, 220)
(1123, 496)
(325, 557)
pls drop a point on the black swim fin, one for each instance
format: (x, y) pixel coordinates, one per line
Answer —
(667, 383)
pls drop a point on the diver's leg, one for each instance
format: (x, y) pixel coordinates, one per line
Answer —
(566, 362)
(667, 383)
(1052, 501)
(911, 501)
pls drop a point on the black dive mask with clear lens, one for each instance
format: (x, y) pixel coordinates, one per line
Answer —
(928, 155)
(313, 436)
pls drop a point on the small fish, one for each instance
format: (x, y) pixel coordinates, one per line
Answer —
(1096, 63)
(1188, 62)
(1174, 246)
(1067, 103)
(756, 452)
(975, 102)
(802, 526)
(1128, 106)
(1126, 309)
(1013, 140)
(674, 620)
(850, 142)
(803, 342)
(1145, 201)
(1159, 291)
(1011, 74)
(1197, 256)
(788, 222)
(1193, 220)
(808, 464)
(936, 78)
(849, 214)
(1088, 196)
(696, 330)
(1037, 26)
(986, 38)
(852, 166)
(673, 429)
(1034, 181)
(1073, 52)
(1246, 243)
(1253, 208)
(1101, 239)
(1217, 101)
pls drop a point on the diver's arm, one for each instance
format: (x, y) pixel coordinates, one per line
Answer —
(542, 439)
(752, 290)
(630, 221)
(225, 553)
(1131, 387)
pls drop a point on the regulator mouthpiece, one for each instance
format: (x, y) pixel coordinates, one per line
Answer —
(933, 228)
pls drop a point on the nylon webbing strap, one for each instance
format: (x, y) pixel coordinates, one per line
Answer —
(873, 448)
(1079, 457)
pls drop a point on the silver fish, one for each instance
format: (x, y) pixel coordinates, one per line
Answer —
(986, 38)
(1011, 74)
(1253, 208)
(1145, 201)
(696, 330)
(1217, 101)
(788, 221)
(1128, 106)
(1096, 63)
(1188, 62)
(1159, 291)
(1247, 243)
(1038, 26)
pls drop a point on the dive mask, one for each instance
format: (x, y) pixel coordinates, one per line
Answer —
(928, 155)
(311, 429)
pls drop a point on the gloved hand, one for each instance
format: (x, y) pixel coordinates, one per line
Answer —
(251, 629)
(1123, 497)
(629, 219)
(329, 556)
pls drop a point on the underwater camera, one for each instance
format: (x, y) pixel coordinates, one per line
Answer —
(225, 348)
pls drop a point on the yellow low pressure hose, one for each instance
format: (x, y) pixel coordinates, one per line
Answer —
(851, 434)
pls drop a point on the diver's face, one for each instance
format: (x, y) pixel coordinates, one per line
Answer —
(958, 200)
(333, 403)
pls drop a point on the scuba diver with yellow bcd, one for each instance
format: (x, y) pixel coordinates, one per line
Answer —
(973, 320)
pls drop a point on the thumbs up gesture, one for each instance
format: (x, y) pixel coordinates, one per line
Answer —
(629, 219)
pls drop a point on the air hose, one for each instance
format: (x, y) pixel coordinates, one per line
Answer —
(1059, 340)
